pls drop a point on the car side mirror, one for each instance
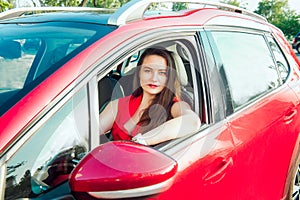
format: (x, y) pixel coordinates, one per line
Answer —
(123, 169)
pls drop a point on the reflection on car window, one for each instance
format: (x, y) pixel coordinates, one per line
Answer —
(15, 63)
(282, 64)
(248, 65)
(50, 155)
(29, 51)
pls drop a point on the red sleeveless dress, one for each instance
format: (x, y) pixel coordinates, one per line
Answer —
(127, 106)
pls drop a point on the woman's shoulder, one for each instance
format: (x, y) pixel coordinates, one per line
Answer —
(178, 102)
(181, 103)
(179, 107)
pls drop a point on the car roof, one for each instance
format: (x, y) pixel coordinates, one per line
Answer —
(131, 11)
(204, 16)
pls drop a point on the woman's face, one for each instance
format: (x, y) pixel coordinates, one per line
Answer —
(153, 74)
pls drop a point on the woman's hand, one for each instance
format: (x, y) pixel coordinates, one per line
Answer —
(138, 139)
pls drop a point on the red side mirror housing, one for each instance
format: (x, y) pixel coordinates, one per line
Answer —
(123, 169)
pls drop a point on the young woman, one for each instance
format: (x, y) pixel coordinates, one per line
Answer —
(154, 112)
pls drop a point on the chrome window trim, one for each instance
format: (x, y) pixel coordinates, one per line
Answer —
(2, 180)
(93, 113)
(135, 192)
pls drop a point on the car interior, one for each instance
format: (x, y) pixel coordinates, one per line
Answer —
(119, 81)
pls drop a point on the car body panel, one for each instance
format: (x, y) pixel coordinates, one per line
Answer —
(256, 129)
(247, 155)
(207, 163)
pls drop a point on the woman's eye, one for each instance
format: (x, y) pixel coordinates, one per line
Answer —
(163, 73)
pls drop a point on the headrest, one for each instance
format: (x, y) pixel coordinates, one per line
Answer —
(181, 72)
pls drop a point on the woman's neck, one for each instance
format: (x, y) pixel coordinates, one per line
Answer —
(146, 100)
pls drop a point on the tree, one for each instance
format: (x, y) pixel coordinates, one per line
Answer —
(289, 24)
(61, 3)
(88, 3)
(272, 10)
(4, 5)
(278, 13)
(106, 3)
(179, 6)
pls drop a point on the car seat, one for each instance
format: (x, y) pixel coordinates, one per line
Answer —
(183, 78)
(108, 89)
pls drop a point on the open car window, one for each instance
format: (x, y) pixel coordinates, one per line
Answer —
(119, 81)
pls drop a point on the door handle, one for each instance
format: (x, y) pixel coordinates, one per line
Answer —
(219, 174)
(288, 118)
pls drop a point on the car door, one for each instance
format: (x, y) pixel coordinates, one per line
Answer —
(206, 159)
(264, 113)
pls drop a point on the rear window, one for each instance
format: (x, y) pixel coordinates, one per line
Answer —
(30, 52)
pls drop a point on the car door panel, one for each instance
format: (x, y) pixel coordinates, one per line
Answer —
(263, 116)
(267, 134)
(207, 161)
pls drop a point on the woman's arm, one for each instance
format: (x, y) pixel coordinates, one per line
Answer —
(184, 122)
(107, 116)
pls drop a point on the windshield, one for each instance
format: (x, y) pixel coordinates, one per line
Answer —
(30, 52)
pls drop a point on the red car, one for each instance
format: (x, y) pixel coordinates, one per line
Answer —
(59, 69)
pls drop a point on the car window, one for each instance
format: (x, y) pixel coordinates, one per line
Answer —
(30, 53)
(248, 65)
(282, 64)
(119, 81)
(47, 158)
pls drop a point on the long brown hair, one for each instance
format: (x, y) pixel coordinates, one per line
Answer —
(159, 109)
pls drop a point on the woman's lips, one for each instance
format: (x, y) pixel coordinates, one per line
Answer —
(152, 85)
